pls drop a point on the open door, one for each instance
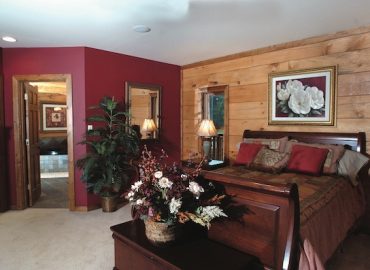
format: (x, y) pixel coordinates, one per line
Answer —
(32, 143)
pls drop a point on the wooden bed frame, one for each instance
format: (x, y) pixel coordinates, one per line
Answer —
(270, 228)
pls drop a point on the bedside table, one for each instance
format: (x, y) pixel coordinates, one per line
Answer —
(211, 165)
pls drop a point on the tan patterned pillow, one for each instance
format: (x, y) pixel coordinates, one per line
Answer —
(273, 144)
(270, 161)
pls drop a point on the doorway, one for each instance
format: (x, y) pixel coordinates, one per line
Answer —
(47, 116)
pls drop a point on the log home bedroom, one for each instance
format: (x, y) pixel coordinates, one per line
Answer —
(197, 134)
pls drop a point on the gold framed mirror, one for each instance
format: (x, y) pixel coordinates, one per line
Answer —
(143, 103)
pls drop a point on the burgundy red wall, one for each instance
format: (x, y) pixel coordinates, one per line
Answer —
(20, 61)
(95, 73)
(106, 74)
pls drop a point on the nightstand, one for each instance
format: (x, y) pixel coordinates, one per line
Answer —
(211, 165)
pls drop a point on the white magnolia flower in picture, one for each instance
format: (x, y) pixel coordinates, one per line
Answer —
(283, 94)
(293, 86)
(158, 174)
(295, 99)
(300, 102)
(164, 182)
(175, 205)
(317, 97)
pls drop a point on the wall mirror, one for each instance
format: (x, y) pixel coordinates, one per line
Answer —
(143, 101)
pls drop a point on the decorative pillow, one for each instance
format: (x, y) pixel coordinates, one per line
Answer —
(247, 153)
(307, 159)
(273, 144)
(270, 161)
(350, 164)
(332, 159)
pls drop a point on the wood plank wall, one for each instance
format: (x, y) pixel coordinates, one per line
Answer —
(246, 74)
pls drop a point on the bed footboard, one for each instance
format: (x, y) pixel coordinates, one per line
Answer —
(269, 228)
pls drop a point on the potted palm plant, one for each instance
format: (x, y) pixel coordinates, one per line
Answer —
(112, 146)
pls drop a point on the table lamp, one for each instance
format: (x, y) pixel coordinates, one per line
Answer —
(207, 130)
(149, 127)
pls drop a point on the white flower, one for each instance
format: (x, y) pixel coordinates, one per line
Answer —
(130, 194)
(139, 201)
(184, 177)
(293, 86)
(195, 188)
(211, 212)
(206, 214)
(300, 102)
(278, 86)
(175, 205)
(317, 97)
(165, 183)
(136, 185)
(283, 94)
(158, 174)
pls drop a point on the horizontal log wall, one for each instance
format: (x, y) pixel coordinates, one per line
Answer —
(246, 74)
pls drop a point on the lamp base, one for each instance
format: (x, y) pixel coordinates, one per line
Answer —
(206, 147)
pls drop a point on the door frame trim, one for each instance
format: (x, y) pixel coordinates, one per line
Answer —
(19, 136)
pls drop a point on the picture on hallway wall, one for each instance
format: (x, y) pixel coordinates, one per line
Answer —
(303, 97)
(53, 117)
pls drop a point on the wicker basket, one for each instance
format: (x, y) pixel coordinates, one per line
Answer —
(162, 234)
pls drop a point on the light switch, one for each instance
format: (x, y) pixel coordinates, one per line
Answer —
(89, 127)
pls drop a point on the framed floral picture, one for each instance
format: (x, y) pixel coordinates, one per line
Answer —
(303, 97)
(53, 117)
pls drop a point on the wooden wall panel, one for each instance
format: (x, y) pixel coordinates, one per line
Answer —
(246, 74)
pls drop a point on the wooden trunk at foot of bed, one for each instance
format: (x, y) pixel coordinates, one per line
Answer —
(269, 227)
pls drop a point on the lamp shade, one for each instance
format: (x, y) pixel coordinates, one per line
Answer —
(149, 125)
(207, 128)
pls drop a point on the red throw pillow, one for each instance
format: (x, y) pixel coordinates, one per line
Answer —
(247, 152)
(307, 159)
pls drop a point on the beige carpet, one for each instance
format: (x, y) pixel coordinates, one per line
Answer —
(58, 239)
(53, 193)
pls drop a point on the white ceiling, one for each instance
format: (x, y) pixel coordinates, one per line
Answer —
(183, 31)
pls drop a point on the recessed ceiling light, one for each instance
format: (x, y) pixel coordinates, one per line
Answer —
(141, 28)
(8, 39)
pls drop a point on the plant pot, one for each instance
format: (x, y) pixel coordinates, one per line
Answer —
(109, 203)
(162, 234)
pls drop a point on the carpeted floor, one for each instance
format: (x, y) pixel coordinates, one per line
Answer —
(354, 255)
(54, 193)
(37, 238)
(40, 238)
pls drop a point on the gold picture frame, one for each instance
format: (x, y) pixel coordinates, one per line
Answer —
(53, 117)
(303, 97)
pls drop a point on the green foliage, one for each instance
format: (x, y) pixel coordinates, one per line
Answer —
(112, 145)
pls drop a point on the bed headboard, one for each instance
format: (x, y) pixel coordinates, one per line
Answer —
(353, 141)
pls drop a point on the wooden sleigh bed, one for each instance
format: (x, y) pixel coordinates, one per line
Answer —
(280, 228)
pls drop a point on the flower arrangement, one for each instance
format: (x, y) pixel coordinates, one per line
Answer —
(297, 100)
(167, 194)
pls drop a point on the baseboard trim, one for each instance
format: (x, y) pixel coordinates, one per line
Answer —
(85, 208)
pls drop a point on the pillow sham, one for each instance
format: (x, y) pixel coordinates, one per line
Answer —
(247, 153)
(273, 144)
(332, 159)
(270, 161)
(306, 159)
(350, 165)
